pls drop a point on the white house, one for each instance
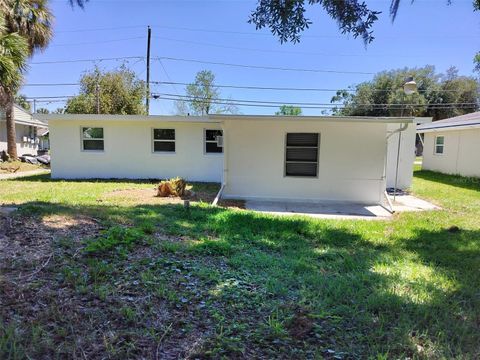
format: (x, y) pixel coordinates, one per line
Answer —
(27, 129)
(306, 158)
(452, 146)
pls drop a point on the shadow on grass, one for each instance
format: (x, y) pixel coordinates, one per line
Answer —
(471, 183)
(356, 294)
(47, 178)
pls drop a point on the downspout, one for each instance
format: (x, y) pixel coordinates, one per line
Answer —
(399, 131)
(225, 170)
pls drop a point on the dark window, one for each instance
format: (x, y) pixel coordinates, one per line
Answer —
(212, 141)
(92, 139)
(439, 144)
(164, 140)
(301, 154)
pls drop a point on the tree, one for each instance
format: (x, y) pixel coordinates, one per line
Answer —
(287, 19)
(476, 62)
(30, 20)
(43, 111)
(288, 110)
(384, 96)
(203, 97)
(118, 91)
(21, 100)
(13, 58)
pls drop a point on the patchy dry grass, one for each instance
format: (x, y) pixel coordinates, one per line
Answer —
(88, 270)
(18, 167)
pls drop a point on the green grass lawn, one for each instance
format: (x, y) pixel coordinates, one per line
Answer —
(89, 275)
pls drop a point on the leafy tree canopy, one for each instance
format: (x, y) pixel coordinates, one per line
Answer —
(287, 19)
(203, 97)
(21, 100)
(435, 91)
(13, 61)
(119, 91)
(288, 110)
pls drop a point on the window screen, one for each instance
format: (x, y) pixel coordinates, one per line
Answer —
(92, 139)
(439, 144)
(301, 154)
(211, 141)
(164, 140)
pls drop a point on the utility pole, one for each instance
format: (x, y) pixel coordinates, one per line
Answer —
(97, 96)
(147, 101)
(34, 106)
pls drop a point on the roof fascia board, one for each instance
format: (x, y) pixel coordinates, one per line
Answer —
(126, 118)
(450, 128)
(368, 119)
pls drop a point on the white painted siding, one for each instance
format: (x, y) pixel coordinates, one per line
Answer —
(128, 151)
(461, 153)
(407, 156)
(21, 131)
(351, 161)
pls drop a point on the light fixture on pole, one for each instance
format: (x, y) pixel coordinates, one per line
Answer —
(409, 88)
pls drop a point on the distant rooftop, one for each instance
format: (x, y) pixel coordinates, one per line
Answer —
(467, 120)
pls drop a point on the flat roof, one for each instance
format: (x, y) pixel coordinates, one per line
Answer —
(466, 121)
(218, 118)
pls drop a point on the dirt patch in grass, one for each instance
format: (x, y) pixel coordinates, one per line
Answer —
(18, 167)
(28, 240)
(148, 196)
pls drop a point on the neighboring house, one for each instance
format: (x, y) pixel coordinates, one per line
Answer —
(44, 136)
(26, 128)
(452, 146)
(306, 158)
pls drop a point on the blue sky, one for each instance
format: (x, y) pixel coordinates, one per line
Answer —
(427, 32)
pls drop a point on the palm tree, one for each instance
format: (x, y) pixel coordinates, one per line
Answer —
(32, 20)
(13, 57)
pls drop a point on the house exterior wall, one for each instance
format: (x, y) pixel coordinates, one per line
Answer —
(23, 148)
(407, 156)
(461, 152)
(128, 151)
(351, 161)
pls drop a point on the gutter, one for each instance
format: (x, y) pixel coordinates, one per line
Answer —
(401, 129)
(225, 169)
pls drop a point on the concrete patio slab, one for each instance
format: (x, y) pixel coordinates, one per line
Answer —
(411, 203)
(339, 210)
(323, 210)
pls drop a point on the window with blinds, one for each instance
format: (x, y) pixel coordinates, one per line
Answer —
(301, 154)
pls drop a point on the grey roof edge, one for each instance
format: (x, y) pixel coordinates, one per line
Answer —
(220, 117)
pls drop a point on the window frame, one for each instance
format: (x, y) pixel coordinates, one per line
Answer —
(435, 145)
(317, 162)
(174, 141)
(205, 141)
(82, 138)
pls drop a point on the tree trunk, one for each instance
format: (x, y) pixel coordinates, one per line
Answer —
(11, 133)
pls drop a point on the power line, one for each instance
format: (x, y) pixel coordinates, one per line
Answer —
(189, 97)
(87, 60)
(258, 33)
(263, 67)
(330, 107)
(50, 97)
(98, 42)
(248, 87)
(276, 51)
(100, 29)
(51, 84)
(303, 35)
